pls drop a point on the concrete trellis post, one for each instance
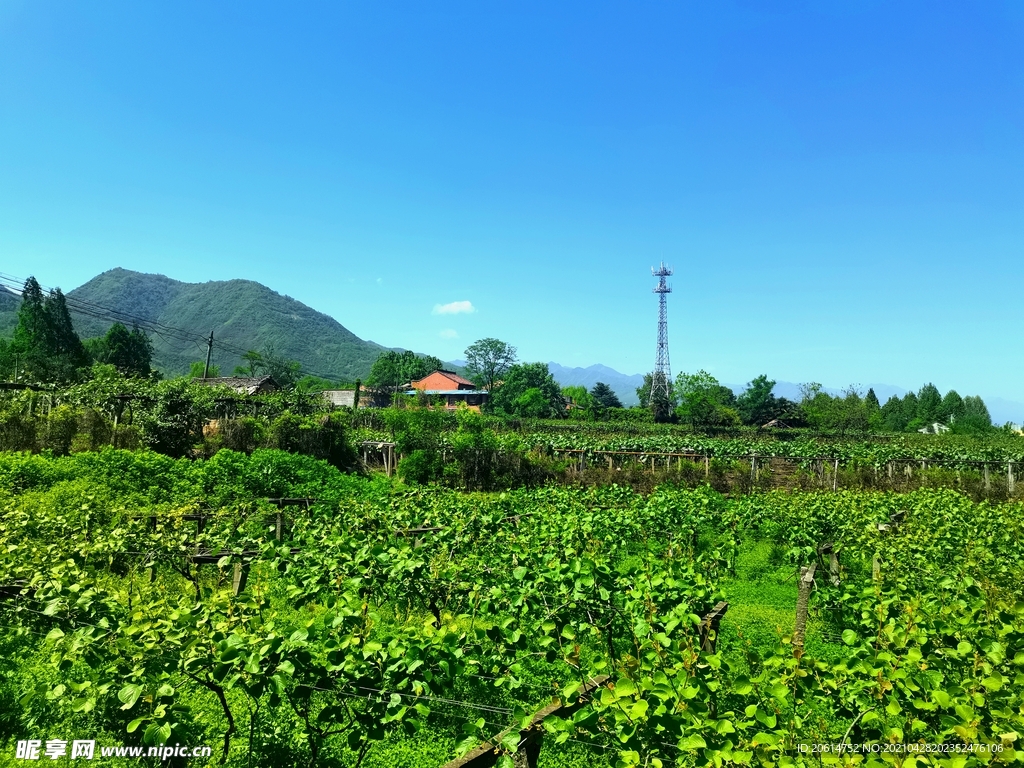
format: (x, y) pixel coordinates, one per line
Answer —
(802, 599)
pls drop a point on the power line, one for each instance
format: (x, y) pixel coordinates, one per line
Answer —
(162, 330)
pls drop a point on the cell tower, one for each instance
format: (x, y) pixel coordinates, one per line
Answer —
(661, 382)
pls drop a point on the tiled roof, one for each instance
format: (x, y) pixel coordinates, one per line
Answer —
(243, 384)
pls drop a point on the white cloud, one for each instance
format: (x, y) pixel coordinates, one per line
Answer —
(449, 333)
(454, 308)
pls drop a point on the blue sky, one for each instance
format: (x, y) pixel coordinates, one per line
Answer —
(838, 186)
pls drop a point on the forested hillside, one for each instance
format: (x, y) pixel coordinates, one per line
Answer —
(9, 303)
(241, 313)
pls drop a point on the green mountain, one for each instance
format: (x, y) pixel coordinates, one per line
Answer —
(242, 314)
(9, 303)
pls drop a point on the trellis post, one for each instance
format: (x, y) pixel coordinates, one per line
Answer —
(802, 599)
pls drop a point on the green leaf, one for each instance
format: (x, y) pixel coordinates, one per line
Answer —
(849, 637)
(519, 572)
(624, 687)
(84, 705)
(134, 724)
(511, 741)
(766, 719)
(129, 695)
(54, 635)
(693, 741)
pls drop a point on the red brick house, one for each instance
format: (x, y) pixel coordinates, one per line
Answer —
(451, 387)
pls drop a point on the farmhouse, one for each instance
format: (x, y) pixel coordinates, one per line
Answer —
(243, 385)
(451, 388)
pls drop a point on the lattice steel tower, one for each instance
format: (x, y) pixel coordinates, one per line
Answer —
(661, 381)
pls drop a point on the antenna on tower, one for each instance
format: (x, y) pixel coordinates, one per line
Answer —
(661, 380)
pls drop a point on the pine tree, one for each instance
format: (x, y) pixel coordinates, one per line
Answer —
(45, 339)
(909, 411)
(31, 332)
(975, 418)
(131, 352)
(64, 340)
(892, 415)
(929, 404)
(871, 401)
(952, 407)
(604, 396)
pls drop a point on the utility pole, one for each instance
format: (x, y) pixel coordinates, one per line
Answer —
(209, 351)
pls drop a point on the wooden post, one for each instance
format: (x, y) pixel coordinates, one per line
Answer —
(239, 577)
(278, 527)
(802, 598)
(835, 477)
(709, 627)
(833, 562)
(988, 485)
(1009, 478)
(707, 465)
(487, 754)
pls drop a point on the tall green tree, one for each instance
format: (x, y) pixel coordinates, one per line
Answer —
(952, 407)
(975, 417)
(702, 401)
(604, 396)
(393, 370)
(131, 352)
(65, 341)
(842, 414)
(874, 409)
(909, 406)
(757, 403)
(929, 404)
(891, 416)
(584, 404)
(528, 390)
(45, 342)
(488, 360)
(871, 400)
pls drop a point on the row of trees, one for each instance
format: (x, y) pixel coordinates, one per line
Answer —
(45, 346)
(698, 399)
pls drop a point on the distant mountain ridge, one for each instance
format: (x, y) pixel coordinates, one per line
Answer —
(622, 384)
